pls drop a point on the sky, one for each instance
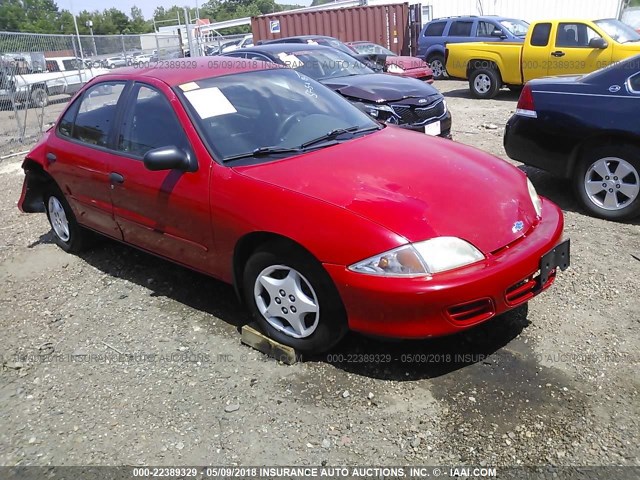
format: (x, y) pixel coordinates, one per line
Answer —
(147, 6)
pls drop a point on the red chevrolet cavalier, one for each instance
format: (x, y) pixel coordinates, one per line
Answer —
(322, 219)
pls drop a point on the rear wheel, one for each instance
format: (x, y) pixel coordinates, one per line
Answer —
(437, 64)
(607, 182)
(485, 83)
(67, 233)
(293, 299)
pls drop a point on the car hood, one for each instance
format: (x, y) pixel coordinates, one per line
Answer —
(417, 186)
(406, 63)
(378, 87)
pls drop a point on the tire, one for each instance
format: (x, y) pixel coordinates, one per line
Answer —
(67, 233)
(437, 64)
(39, 97)
(305, 283)
(607, 181)
(485, 83)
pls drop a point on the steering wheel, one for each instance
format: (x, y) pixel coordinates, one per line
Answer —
(287, 124)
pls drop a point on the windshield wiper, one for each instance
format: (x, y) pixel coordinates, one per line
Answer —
(336, 133)
(263, 151)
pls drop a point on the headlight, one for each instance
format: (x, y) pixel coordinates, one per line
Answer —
(431, 256)
(393, 68)
(535, 199)
(374, 109)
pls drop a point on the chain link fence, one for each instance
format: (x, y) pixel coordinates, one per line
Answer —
(39, 73)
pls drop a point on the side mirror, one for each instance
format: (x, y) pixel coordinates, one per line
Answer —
(498, 34)
(169, 158)
(598, 42)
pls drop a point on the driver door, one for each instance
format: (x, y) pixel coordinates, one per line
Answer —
(572, 54)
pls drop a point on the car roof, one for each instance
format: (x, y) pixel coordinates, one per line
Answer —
(286, 47)
(301, 37)
(189, 69)
(473, 17)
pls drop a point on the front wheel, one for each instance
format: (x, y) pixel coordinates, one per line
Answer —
(437, 64)
(39, 97)
(293, 299)
(485, 83)
(607, 182)
(67, 233)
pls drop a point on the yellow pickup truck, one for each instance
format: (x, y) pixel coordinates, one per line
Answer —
(554, 47)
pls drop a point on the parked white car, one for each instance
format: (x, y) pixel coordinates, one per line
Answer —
(244, 42)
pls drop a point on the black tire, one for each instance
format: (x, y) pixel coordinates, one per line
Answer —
(437, 64)
(39, 97)
(78, 237)
(485, 83)
(614, 159)
(332, 318)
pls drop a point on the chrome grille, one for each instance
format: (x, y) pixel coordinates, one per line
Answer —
(418, 115)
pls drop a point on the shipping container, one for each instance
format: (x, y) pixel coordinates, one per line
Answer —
(386, 25)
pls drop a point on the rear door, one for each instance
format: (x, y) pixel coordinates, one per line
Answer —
(572, 54)
(165, 212)
(536, 51)
(460, 31)
(79, 154)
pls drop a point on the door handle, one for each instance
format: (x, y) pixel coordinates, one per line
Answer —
(51, 157)
(558, 53)
(115, 177)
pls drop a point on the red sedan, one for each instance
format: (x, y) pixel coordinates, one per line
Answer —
(321, 218)
(404, 66)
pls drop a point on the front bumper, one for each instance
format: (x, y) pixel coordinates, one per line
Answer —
(453, 301)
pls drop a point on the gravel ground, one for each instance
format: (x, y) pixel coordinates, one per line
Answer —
(115, 357)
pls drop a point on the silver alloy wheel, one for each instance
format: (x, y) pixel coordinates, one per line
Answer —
(58, 219)
(612, 183)
(482, 83)
(438, 68)
(286, 300)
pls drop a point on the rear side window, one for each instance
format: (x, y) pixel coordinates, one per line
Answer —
(435, 29)
(52, 66)
(540, 35)
(96, 114)
(460, 29)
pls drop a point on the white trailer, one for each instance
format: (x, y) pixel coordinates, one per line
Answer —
(529, 10)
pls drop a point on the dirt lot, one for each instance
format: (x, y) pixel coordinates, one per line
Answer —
(554, 384)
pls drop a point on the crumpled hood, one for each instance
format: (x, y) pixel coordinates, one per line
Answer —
(379, 87)
(417, 186)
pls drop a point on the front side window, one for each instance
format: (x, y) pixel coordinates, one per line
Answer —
(540, 35)
(94, 121)
(485, 29)
(150, 122)
(574, 35)
(435, 29)
(460, 29)
(248, 115)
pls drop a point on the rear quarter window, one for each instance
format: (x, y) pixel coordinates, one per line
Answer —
(540, 35)
(460, 29)
(435, 29)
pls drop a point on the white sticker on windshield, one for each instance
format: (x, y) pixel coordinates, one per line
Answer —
(209, 102)
(187, 87)
(312, 42)
(290, 61)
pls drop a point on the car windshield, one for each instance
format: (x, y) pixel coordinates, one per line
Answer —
(620, 32)
(330, 42)
(518, 28)
(261, 115)
(368, 48)
(323, 63)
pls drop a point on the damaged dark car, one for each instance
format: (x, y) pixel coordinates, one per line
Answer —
(406, 102)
